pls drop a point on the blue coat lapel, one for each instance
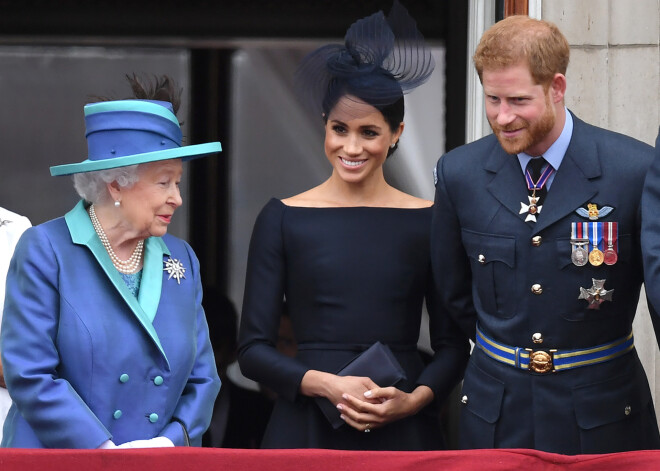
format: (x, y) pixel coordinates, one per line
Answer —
(508, 183)
(572, 186)
(146, 305)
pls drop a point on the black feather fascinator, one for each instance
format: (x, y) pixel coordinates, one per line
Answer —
(381, 59)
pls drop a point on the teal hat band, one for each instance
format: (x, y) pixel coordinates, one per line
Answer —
(129, 132)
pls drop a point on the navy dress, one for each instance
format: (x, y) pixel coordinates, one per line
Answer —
(351, 277)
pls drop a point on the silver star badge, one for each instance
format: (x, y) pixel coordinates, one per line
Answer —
(597, 294)
(530, 208)
(175, 268)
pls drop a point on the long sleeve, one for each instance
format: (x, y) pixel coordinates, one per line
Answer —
(53, 409)
(451, 268)
(450, 346)
(262, 307)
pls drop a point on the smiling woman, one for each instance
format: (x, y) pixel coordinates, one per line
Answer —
(100, 347)
(351, 258)
(358, 140)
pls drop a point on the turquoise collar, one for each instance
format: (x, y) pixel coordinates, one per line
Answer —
(146, 305)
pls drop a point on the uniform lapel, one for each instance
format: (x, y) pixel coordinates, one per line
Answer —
(508, 183)
(574, 182)
(152, 276)
(82, 233)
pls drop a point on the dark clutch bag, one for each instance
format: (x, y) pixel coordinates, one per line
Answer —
(378, 363)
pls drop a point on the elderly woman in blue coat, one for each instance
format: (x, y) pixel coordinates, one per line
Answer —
(104, 340)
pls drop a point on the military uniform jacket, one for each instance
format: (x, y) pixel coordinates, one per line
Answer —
(86, 361)
(515, 279)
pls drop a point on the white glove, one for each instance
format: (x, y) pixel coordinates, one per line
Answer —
(157, 442)
(107, 445)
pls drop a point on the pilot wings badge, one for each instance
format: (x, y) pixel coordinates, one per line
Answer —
(593, 213)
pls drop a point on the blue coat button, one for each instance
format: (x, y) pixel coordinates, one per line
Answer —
(158, 380)
(123, 378)
(117, 414)
(153, 418)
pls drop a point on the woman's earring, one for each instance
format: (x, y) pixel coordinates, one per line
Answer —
(117, 203)
(393, 145)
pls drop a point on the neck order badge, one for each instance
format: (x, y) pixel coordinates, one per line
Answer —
(536, 180)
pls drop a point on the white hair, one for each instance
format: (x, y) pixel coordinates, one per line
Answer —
(92, 186)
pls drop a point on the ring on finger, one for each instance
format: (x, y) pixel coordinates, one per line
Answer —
(367, 428)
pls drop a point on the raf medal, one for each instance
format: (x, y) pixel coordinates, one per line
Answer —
(579, 239)
(596, 295)
(596, 257)
(532, 208)
(610, 256)
(579, 256)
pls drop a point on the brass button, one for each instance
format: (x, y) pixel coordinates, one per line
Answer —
(537, 337)
(627, 410)
(464, 399)
(537, 288)
(482, 258)
(536, 241)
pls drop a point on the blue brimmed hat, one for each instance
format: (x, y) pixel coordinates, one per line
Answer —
(129, 132)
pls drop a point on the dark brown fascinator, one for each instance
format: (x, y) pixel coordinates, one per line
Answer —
(381, 59)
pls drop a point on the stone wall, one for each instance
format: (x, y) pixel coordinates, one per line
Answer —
(614, 74)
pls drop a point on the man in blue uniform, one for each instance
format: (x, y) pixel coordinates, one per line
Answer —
(536, 249)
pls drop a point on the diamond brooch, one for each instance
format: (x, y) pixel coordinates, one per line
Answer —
(175, 268)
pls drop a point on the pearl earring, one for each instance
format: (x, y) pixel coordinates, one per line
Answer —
(117, 204)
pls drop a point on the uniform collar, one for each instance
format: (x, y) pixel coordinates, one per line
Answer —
(555, 154)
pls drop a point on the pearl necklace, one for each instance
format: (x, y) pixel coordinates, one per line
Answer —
(126, 267)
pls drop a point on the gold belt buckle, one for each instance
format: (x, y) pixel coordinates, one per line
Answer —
(540, 361)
